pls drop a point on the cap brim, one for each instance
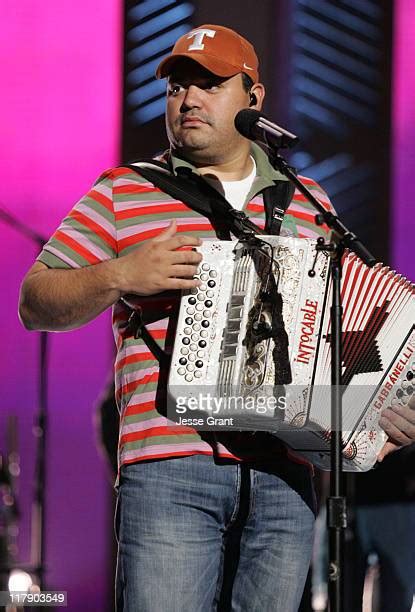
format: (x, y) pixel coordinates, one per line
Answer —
(212, 64)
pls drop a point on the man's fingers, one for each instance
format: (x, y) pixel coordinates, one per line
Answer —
(399, 424)
(174, 241)
(162, 263)
(394, 432)
(186, 257)
(402, 416)
(397, 427)
(183, 240)
(183, 271)
(181, 283)
(167, 233)
(388, 447)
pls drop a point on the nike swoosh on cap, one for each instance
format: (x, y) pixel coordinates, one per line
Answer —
(247, 67)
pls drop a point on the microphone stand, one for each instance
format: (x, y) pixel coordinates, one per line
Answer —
(37, 563)
(336, 503)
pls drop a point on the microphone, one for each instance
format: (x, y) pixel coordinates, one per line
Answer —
(254, 125)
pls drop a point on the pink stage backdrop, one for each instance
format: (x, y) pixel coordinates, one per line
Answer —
(60, 116)
(403, 153)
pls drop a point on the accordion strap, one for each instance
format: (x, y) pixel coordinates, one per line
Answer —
(194, 191)
(276, 201)
(137, 326)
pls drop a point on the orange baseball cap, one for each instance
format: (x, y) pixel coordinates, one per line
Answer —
(218, 49)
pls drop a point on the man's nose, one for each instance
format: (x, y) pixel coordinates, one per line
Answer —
(193, 97)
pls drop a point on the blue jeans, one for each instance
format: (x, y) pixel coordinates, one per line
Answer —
(196, 535)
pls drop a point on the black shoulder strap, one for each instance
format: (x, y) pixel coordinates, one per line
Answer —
(161, 176)
(194, 191)
(205, 200)
(276, 201)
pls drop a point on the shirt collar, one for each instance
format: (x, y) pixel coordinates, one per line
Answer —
(266, 174)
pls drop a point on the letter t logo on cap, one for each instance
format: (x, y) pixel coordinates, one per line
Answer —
(219, 50)
(198, 36)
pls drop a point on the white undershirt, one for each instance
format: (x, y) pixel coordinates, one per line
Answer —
(235, 191)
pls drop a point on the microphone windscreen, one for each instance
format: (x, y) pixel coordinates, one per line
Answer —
(245, 122)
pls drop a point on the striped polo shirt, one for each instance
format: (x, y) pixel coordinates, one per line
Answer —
(121, 211)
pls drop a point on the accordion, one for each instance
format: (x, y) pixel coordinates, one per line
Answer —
(229, 370)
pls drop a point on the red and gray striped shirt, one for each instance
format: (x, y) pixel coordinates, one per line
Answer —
(121, 211)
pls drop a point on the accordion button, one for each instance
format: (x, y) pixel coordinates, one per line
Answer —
(188, 378)
(192, 300)
(188, 320)
(196, 327)
(195, 337)
(187, 331)
(211, 283)
(203, 333)
(206, 313)
(202, 287)
(210, 293)
(200, 306)
(200, 297)
(200, 353)
(410, 390)
(182, 360)
(181, 371)
(213, 274)
(190, 310)
(202, 343)
(193, 347)
(186, 340)
(198, 374)
(192, 357)
(198, 316)
(184, 350)
(199, 363)
(399, 393)
(409, 375)
(205, 266)
(193, 291)
(208, 303)
(204, 277)
(205, 323)
(190, 367)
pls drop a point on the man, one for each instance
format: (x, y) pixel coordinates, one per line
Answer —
(205, 521)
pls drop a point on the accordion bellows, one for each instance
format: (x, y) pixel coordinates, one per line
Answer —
(254, 340)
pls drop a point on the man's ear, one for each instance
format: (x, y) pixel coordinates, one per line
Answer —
(256, 96)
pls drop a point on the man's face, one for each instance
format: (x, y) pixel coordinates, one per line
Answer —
(201, 109)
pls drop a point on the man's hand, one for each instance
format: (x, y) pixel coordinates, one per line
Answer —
(399, 423)
(62, 299)
(160, 264)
